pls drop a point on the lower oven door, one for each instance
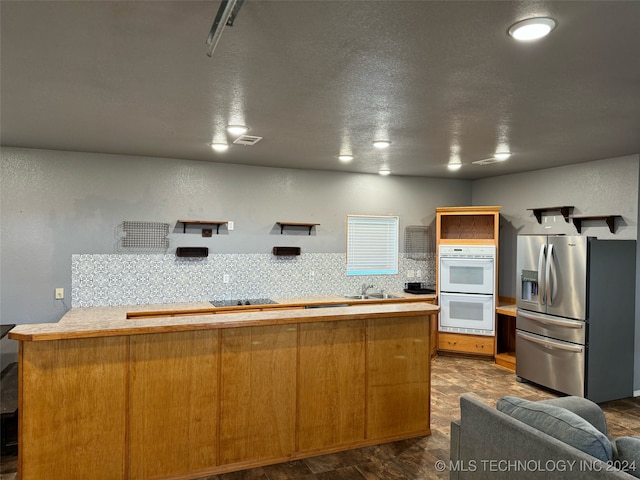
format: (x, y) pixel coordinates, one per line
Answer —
(467, 313)
(551, 363)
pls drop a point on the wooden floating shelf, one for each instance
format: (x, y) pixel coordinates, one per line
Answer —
(609, 219)
(564, 210)
(296, 224)
(217, 223)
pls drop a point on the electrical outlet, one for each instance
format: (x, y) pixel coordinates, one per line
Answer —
(312, 275)
(225, 278)
(230, 226)
(418, 273)
(59, 295)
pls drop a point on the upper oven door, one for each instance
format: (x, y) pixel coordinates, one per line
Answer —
(466, 275)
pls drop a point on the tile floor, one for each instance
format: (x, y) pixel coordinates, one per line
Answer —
(415, 459)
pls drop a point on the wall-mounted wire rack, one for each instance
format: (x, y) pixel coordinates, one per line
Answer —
(139, 236)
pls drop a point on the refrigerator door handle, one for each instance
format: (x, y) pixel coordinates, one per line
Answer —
(541, 281)
(554, 280)
(551, 321)
(547, 275)
(550, 344)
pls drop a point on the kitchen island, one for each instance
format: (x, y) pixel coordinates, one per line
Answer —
(107, 394)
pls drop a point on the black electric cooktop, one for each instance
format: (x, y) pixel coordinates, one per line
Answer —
(242, 301)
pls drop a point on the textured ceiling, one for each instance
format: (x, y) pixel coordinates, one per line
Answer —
(319, 78)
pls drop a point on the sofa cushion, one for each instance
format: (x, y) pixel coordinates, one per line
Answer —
(559, 423)
(582, 407)
(628, 455)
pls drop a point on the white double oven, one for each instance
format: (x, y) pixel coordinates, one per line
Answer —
(466, 289)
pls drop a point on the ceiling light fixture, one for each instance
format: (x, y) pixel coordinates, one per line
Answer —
(237, 129)
(384, 171)
(345, 158)
(532, 28)
(454, 166)
(501, 156)
(219, 147)
(381, 144)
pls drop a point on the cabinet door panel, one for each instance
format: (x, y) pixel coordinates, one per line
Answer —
(173, 403)
(73, 405)
(258, 390)
(398, 358)
(331, 404)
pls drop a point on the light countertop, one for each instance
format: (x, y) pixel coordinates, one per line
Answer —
(91, 322)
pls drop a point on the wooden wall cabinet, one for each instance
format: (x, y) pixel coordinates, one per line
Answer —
(467, 225)
(478, 225)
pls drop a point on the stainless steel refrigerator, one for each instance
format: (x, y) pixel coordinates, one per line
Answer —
(576, 314)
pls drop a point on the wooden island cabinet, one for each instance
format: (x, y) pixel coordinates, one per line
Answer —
(195, 395)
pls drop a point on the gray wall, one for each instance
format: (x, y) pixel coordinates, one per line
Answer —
(595, 188)
(55, 204)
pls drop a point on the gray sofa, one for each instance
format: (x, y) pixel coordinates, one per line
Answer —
(487, 443)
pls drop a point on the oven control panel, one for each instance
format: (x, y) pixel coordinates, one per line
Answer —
(467, 251)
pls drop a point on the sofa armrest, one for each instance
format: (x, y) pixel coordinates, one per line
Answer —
(582, 407)
(454, 448)
(487, 437)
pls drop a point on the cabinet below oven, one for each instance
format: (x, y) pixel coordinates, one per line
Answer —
(472, 344)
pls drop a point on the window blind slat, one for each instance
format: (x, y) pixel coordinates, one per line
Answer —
(372, 245)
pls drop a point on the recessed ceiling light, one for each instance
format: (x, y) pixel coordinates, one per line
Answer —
(502, 156)
(345, 158)
(219, 147)
(237, 129)
(454, 166)
(384, 171)
(532, 28)
(380, 144)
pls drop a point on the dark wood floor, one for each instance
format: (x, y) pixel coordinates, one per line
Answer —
(415, 459)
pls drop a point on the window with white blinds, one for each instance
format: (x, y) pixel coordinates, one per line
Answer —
(372, 244)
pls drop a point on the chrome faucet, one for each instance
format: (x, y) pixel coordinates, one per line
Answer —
(366, 287)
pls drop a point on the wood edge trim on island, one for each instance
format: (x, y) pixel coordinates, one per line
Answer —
(137, 329)
(287, 306)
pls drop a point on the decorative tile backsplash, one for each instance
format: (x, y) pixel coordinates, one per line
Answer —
(130, 279)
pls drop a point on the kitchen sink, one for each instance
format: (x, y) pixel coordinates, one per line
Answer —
(383, 295)
(371, 295)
